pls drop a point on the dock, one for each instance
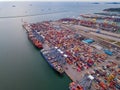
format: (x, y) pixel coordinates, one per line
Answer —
(81, 58)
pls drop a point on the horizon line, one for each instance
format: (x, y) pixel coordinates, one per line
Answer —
(60, 0)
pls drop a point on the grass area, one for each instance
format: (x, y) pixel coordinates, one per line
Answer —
(118, 43)
(109, 40)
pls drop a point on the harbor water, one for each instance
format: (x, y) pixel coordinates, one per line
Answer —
(21, 65)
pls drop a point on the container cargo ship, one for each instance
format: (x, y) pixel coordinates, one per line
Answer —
(52, 59)
(33, 36)
(34, 40)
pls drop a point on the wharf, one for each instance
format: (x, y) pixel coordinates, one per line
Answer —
(71, 69)
(77, 76)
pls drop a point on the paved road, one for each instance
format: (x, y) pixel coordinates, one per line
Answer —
(102, 31)
(105, 36)
(108, 35)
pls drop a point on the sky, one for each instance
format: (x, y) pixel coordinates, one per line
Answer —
(69, 0)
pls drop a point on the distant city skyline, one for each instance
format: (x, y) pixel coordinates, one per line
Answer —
(69, 0)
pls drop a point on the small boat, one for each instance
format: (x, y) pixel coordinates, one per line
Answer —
(49, 8)
(13, 6)
(52, 60)
(42, 9)
(30, 5)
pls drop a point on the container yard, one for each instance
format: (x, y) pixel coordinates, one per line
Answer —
(90, 64)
